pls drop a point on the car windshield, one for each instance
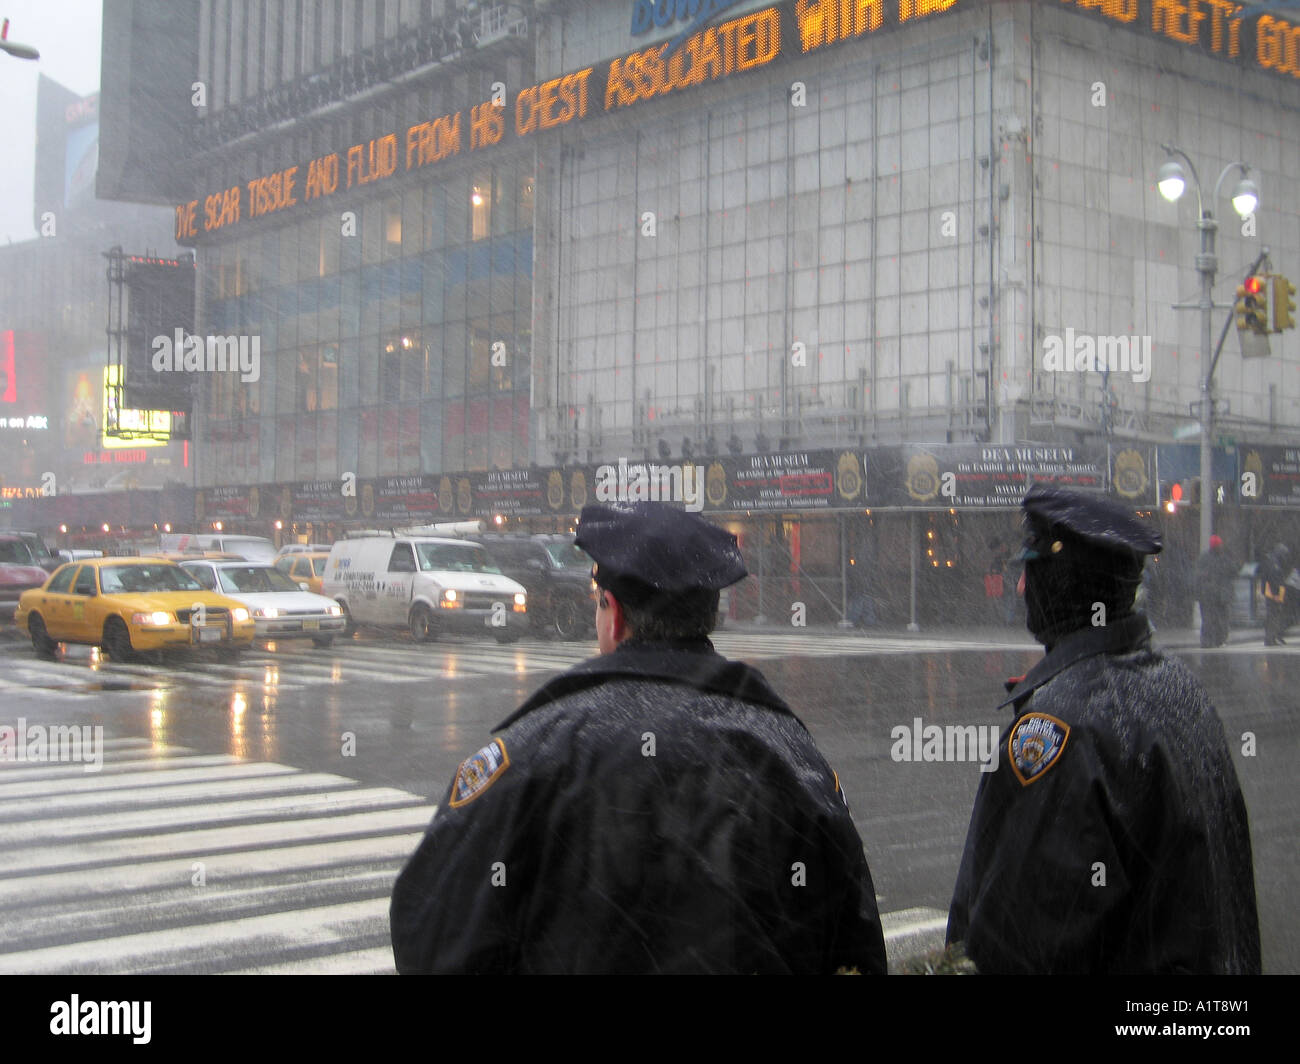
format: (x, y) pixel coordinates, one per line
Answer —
(37, 545)
(567, 556)
(15, 552)
(133, 579)
(455, 557)
(250, 579)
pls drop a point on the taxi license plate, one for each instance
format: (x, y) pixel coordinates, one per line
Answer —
(311, 626)
(209, 635)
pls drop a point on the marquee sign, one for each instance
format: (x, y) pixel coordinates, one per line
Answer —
(714, 49)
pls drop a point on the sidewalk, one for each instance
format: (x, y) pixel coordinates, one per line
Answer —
(963, 635)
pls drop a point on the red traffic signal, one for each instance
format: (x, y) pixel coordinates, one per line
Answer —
(1252, 305)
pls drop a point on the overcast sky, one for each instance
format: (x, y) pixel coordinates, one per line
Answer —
(67, 34)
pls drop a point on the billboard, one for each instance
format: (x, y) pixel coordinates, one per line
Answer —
(160, 301)
(80, 159)
(135, 428)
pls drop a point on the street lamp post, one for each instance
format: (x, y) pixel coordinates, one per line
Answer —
(1245, 198)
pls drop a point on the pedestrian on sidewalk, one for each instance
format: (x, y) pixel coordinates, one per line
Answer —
(1113, 836)
(1273, 574)
(995, 583)
(1215, 574)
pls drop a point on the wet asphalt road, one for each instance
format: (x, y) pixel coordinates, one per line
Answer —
(397, 718)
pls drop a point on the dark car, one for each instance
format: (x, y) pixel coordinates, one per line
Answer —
(555, 573)
(19, 570)
(41, 554)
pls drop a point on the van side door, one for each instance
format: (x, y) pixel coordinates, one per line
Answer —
(398, 584)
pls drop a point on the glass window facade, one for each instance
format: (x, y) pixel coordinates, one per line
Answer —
(398, 343)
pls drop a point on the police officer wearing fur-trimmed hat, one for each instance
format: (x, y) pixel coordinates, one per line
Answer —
(655, 809)
(1113, 836)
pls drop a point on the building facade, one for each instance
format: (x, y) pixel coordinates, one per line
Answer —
(489, 251)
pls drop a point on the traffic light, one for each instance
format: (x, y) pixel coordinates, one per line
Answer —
(1283, 299)
(1183, 493)
(1252, 305)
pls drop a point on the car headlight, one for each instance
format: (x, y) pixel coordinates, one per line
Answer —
(239, 613)
(450, 594)
(335, 611)
(268, 611)
(151, 620)
(520, 599)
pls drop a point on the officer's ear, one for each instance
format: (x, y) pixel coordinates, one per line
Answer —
(618, 621)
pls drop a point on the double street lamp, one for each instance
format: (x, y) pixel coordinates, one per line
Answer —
(1245, 198)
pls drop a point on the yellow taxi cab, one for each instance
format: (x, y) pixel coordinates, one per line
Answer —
(305, 567)
(131, 605)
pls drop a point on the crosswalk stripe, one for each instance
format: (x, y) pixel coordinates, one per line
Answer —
(292, 666)
(46, 805)
(202, 843)
(35, 925)
(154, 950)
(131, 876)
(18, 771)
(356, 962)
(304, 807)
(96, 784)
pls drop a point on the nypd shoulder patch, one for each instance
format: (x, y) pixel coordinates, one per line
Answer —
(1035, 745)
(477, 773)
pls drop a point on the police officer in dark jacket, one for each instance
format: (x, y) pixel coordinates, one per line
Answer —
(655, 809)
(1113, 837)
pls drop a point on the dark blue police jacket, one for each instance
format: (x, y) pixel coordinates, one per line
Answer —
(657, 809)
(1113, 837)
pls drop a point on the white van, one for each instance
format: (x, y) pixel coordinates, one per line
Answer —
(426, 584)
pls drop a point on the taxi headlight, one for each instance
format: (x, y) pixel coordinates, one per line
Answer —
(151, 620)
(239, 613)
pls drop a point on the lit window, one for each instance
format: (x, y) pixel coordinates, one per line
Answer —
(480, 200)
